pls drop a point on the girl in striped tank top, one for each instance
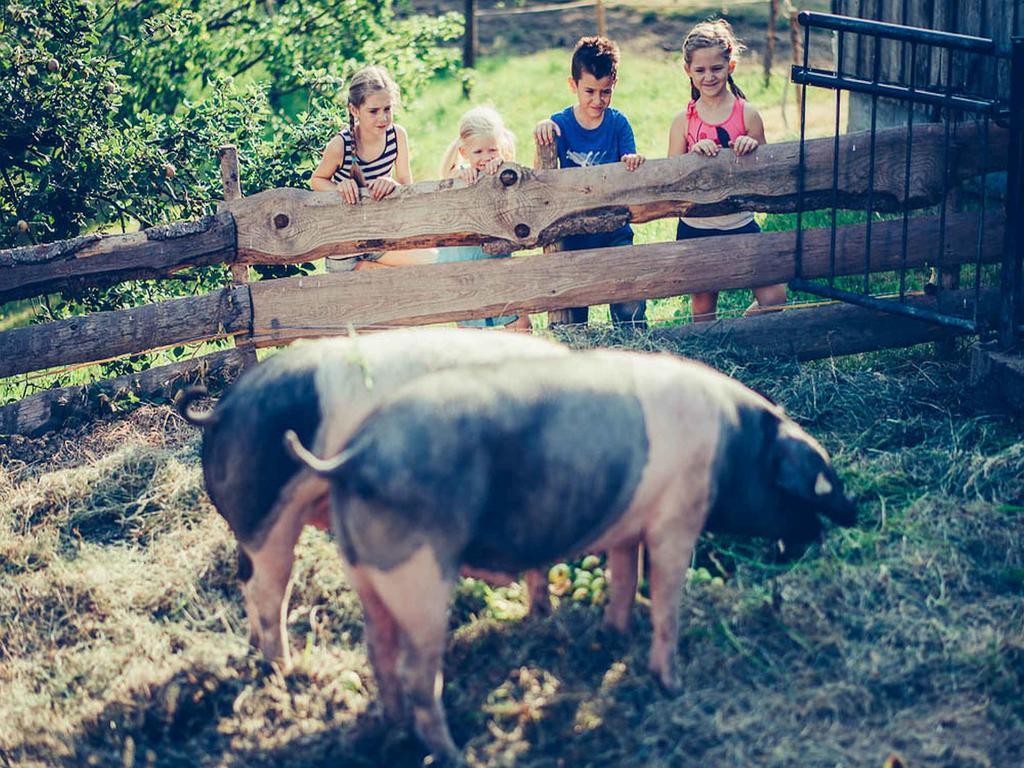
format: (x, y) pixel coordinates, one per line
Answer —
(373, 152)
(717, 116)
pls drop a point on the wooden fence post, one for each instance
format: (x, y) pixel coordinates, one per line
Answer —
(547, 158)
(769, 49)
(602, 22)
(798, 55)
(229, 177)
(469, 38)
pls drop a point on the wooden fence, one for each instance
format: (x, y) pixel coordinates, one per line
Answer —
(518, 208)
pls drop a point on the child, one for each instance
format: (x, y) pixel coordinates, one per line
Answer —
(371, 133)
(592, 133)
(483, 144)
(717, 116)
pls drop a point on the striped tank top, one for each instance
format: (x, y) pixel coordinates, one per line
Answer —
(721, 133)
(368, 169)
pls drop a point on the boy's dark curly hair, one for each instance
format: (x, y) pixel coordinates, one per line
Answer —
(597, 55)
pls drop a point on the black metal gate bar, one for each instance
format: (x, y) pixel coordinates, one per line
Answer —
(885, 29)
(888, 305)
(952, 107)
(823, 79)
(1010, 316)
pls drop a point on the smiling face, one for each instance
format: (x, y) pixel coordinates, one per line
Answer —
(594, 95)
(709, 70)
(480, 150)
(374, 115)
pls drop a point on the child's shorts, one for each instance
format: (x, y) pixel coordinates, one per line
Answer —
(685, 232)
(455, 253)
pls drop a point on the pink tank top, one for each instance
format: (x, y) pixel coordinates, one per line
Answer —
(720, 133)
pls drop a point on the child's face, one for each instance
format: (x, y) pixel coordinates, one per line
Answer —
(478, 151)
(374, 114)
(594, 94)
(709, 69)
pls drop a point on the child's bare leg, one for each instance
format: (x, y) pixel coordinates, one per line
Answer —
(767, 298)
(703, 306)
(521, 324)
(365, 265)
(409, 258)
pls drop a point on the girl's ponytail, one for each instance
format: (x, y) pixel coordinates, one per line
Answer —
(450, 161)
(736, 90)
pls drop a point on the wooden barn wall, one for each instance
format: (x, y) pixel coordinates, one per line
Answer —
(972, 74)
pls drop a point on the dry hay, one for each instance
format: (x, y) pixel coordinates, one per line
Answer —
(123, 639)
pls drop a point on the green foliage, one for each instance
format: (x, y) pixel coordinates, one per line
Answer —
(116, 111)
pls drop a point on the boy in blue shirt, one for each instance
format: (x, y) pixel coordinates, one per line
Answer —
(592, 133)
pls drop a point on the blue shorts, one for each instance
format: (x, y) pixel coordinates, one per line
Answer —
(685, 232)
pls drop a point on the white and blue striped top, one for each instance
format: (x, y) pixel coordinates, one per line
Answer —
(369, 169)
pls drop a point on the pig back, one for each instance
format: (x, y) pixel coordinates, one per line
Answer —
(502, 468)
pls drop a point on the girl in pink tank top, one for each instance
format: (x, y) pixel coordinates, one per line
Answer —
(717, 117)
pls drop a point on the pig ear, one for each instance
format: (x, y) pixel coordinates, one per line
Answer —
(800, 469)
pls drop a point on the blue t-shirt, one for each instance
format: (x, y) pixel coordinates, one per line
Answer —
(583, 147)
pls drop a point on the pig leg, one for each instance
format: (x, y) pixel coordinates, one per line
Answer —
(265, 571)
(669, 558)
(622, 564)
(417, 594)
(382, 645)
(537, 592)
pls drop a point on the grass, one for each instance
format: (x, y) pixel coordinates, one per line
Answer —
(123, 638)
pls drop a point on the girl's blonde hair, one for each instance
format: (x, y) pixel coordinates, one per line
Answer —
(479, 121)
(713, 34)
(366, 82)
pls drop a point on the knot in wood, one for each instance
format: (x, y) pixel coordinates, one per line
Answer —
(508, 177)
(281, 220)
(522, 231)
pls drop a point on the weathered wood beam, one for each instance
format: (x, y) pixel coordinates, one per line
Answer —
(805, 334)
(521, 208)
(105, 335)
(323, 304)
(97, 261)
(56, 408)
(833, 330)
(289, 308)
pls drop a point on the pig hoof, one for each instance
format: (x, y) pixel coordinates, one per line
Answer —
(445, 760)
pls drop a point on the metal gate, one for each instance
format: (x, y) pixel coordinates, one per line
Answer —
(958, 107)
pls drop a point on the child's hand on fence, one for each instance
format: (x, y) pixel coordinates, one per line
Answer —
(743, 145)
(633, 162)
(468, 175)
(546, 131)
(493, 165)
(381, 187)
(706, 147)
(349, 191)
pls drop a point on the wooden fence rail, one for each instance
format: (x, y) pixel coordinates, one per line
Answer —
(98, 261)
(279, 311)
(536, 207)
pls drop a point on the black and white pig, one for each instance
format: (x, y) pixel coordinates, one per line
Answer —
(321, 389)
(512, 467)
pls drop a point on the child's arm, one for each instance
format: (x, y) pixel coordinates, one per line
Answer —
(627, 144)
(322, 181)
(545, 131)
(383, 186)
(403, 174)
(744, 145)
(677, 135)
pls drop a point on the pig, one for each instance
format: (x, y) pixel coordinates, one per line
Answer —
(322, 390)
(615, 449)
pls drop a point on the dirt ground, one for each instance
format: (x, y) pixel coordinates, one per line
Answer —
(123, 640)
